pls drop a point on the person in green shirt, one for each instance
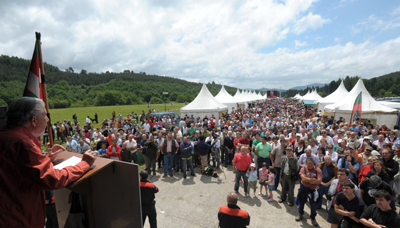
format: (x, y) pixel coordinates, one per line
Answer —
(256, 141)
(262, 152)
(192, 128)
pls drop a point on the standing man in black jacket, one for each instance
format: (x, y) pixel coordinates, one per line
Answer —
(229, 148)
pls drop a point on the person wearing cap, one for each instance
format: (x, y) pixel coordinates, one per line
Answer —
(342, 144)
(82, 147)
(289, 165)
(355, 154)
(381, 214)
(371, 185)
(366, 154)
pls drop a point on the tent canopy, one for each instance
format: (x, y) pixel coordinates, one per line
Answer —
(204, 102)
(225, 98)
(369, 104)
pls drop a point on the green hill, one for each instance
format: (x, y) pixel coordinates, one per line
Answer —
(70, 89)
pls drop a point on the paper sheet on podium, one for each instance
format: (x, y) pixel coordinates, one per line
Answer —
(69, 162)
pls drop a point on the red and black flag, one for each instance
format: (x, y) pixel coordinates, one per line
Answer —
(356, 113)
(33, 86)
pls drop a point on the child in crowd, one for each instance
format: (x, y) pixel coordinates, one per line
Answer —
(263, 177)
(253, 178)
(271, 183)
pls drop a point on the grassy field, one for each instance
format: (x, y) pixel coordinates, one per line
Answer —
(106, 111)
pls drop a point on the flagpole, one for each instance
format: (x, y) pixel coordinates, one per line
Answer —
(44, 91)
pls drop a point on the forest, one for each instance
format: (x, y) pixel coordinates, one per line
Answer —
(81, 89)
(383, 86)
(67, 88)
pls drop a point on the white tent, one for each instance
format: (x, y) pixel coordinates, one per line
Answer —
(311, 97)
(204, 104)
(225, 98)
(338, 94)
(371, 109)
(390, 104)
(305, 95)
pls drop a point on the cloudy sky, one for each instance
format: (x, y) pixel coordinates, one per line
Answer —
(245, 44)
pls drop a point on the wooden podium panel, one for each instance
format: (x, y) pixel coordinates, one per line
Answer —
(110, 192)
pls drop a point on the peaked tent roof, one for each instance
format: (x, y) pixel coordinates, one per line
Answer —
(238, 96)
(313, 96)
(204, 101)
(338, 94)
(368, 102)
(224, 97)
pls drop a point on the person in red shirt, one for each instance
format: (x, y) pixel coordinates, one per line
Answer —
(114, 151)
(311, 177)
(244, 140)
(241, 165)
(24, 171)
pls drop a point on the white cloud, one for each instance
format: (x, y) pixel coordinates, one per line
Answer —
(299, 44)
(310, 21)
(199, 41)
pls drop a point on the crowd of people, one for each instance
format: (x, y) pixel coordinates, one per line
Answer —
(274, 144)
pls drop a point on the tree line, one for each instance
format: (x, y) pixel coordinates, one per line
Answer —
(71, 89)
(384, 86)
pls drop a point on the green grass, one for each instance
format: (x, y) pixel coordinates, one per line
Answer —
(106, 111)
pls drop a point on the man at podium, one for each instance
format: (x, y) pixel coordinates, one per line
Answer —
(24, 171)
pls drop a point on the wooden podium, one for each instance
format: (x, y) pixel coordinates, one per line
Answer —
(110, 193)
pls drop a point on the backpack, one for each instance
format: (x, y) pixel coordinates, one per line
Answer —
(209, 171)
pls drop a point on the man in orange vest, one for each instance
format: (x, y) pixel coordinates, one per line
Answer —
(231, 216)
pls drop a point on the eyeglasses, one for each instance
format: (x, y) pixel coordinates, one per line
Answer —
(330, 147)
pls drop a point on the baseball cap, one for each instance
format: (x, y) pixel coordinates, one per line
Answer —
(375, 153)
(366, 137)
(252, 165)
(375, 180)
(369, 148)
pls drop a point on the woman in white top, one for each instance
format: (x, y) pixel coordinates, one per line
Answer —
(334, 156)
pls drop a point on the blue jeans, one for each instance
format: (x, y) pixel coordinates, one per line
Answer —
(322, 190)
(228, 157)
(216, 158)
(302, 198)
(185, 163)
(241, 174)
(134, 158)
(178, 162)
(168, 162)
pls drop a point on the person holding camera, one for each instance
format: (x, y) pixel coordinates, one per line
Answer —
(350, 163)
